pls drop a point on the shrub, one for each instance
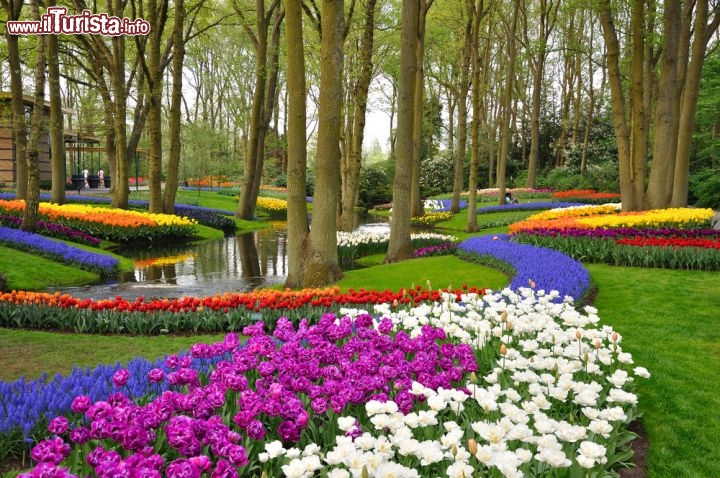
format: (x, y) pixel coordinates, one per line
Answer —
(375, 186)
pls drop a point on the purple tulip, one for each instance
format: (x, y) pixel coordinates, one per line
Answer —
(121, 377)
(58, 425)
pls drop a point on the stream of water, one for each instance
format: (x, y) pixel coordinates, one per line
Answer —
(237, 263)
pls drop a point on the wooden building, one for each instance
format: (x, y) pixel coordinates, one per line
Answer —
(7, 138)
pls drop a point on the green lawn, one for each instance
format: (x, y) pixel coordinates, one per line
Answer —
(31, 272)
(670, 322)
(442, 272)
(29, 353)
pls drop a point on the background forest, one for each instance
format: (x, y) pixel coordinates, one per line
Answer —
(521, 90)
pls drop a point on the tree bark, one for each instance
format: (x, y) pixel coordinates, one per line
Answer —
(13, 8)
(297, 220)
(322, 265)
(157, 17)
(630, 171)
(546, 24)
(400, 246)
(667, 112)
(269, 104)
(506, 130)
(178, 58)
(351, 176)
(702, 34)
(474, 13)
(256, 145)
(246, 205)
(416, 207)
(463, 89)
(57, 138)
(32, 201)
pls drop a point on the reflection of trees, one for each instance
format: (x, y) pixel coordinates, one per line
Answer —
(252, 257)
(213, 258)
(273, 253)
(168, 271)
(249, 261)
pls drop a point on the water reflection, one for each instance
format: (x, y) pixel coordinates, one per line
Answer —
(233, 264)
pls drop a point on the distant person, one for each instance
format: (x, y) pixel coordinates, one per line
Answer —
(101, 176)
(509, 199)
(85, 176)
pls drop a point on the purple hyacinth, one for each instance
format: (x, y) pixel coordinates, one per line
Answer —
(546, 268)
(23, 240)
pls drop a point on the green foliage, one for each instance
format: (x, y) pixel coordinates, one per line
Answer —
(603, 177)
(436, 175)
(375, 184)
(705, 188)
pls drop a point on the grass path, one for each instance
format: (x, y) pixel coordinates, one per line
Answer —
(670, 321)
(29, 352)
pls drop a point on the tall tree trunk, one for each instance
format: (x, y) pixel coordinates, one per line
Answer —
(120, 197)
(400, 246)
(631, 172)
(246, 205)
(57, 137)
(32, 201)
(472, 225)
(269, 104)
(591, 109)
(416, 207)
(548, 16)
(323, 266)
(157, 16)
(178, 58)
(506, 129)
(462, 110)
(667, 111)
(351, 180)
(13, 8)
(297, 220)
(703, 33)
(476, 13)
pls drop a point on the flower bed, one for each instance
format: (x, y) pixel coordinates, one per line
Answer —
(575, 211)
(210, 217)
(27, 406)
(504, 384)
(667, 248)
(356, 244)
(444, 249)
(215, 218)
(598, 218)
(58, 251)
(40, 310)
(274, 208)
(527, 206)
(111, 224)
(543, 269)
(588, 196)
(429, 219)
(493, 194)
(630, 239)
(54, 230)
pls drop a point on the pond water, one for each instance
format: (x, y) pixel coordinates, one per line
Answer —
(237, 263)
